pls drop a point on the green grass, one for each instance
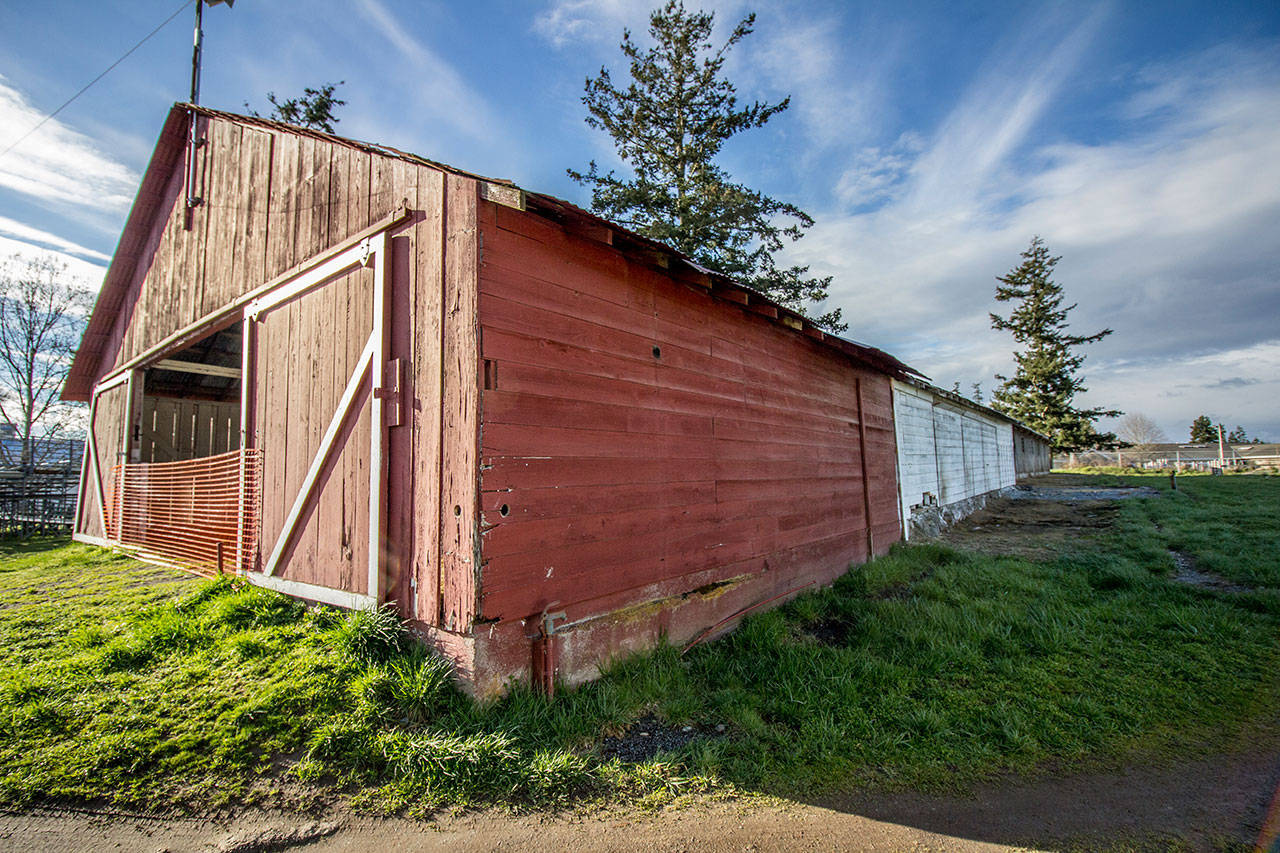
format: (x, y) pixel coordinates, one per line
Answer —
(139, 686)
(130, 684)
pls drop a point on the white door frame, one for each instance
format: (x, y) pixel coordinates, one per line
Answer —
(369, 248)
(92, 466)
(371, 252)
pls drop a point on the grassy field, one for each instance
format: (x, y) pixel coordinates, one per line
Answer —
(930, 667)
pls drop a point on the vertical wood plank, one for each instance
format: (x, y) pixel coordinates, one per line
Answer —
(862, 460)
(274, 414)
(194, 239)
(221, 210)
(400, 530)
(303, 391)
(426, 380)
(282, 216)
(352, 307)
(333, 371)
(459, 539)
(252, 185)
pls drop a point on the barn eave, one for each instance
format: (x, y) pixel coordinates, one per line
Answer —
(87, 366)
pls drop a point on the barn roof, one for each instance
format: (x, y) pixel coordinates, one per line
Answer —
(130, 251)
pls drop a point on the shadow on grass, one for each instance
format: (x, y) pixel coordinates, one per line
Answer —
(16, 546)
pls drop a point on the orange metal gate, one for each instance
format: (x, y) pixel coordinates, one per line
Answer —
(201, 513)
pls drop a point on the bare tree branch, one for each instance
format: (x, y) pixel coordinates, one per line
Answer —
(1140, 431)
(42, 315)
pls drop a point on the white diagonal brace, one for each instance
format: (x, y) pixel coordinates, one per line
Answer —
(95, 465)
(322, 454)
(355, 256)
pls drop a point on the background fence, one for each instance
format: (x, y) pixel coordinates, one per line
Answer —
(38, 503)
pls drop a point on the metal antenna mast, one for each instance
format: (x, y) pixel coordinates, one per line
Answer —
(195, 142)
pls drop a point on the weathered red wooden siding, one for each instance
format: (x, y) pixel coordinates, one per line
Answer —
(272, 200)
(612, 475)
(459, 472)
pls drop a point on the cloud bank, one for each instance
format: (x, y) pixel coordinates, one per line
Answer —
(57, 165)
(1169, 233)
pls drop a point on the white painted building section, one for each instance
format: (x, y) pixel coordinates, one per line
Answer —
(948, 452)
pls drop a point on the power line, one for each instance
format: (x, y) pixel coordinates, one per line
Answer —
(108, 70)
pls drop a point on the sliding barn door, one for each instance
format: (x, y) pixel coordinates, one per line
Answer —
(317, 385)
(106, 446)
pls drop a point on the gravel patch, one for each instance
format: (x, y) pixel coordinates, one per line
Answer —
(1078, 493)
(648, 736)
(1186, 572)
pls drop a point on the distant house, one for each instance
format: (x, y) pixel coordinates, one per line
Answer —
(364, 378)
(1260, 455)
(1187, 456)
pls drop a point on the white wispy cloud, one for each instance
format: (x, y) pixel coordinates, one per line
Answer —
(438, 92)
(597, 25)
(57, 164)
(838, 77)
(28, 234)
(81, 272)
(599, 22)
(1004, 103)
(1228, 386)
(1170, 229)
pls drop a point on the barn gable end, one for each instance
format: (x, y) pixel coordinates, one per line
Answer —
(202, 281)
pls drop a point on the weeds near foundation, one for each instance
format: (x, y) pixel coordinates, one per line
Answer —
(930, 667)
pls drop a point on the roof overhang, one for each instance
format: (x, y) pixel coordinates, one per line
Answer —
(88, 365)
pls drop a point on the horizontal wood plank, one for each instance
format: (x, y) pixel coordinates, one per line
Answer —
(637, 432)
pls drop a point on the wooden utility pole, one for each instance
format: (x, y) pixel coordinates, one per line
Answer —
(1222, 456)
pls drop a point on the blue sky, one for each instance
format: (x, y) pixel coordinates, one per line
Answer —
(930, 141)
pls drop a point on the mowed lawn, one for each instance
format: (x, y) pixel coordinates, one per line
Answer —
(931, 667)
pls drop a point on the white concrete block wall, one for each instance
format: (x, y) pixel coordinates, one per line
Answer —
(990, 480)
(949, 442)
(1004, 440)
(917, 461)
(946, 452)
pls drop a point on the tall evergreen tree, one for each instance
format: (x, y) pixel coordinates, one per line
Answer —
(668, 124)
(1203, 431)
(1238, 436)
(1041, 393)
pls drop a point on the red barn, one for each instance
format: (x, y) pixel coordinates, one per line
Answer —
(363, 378)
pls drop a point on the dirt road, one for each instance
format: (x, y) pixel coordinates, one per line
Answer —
(1211, 803)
